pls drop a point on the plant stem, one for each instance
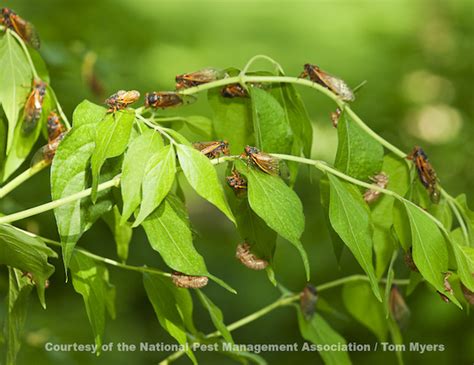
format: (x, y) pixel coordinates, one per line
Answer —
(27, 54)
(60, 109)
(281, 302)
(25, 175)
(57, 203)
(105, 260)
(156, 128)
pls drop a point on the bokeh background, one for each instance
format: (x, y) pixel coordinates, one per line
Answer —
(417, 58)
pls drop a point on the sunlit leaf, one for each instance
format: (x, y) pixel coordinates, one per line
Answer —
(86, 113)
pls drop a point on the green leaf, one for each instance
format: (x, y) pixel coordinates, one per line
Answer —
(464, 256)
(202, 176)
(430, 252)
(319, 332)
(271, 127)
(87, 112)
(23, 143)
(164, 297)
(91, 280)
(278, 205)
(216, 316)
(442, 212)
(122, 232)
(111, 140)
(357, 154)
(467, 214)
(139, 152)
(363, 306)
(27, 253)
(167, 229)
(232, 120)
(200, 125)
(15, 81)
(384, 242)
(18, 294)
(350, 218)
(157, 181)
(69, 175)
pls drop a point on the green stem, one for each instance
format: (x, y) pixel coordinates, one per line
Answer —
(156, 128)
(261, 57)
(25, 175)
(60, 109)
(27, 54)
(453, 205)
(57, 203)
(105, 260)
(281, 302)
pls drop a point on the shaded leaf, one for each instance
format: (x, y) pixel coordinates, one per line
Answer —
(169, 310)
(122, 232)
(202, 176)
(362, 305)
(357, 155)
(91, 279)
(271, 126)
(28, 254)
(278, 205)
(464, 256)
(111, 140)
(157, 181)
(232, 120)
(350, 218)
(216, 316)
(319, 332)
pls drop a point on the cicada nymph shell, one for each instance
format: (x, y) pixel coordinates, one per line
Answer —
(426, 173)
(121, 99)
(308, 299)
(380, 180)
(335, 84)
(213, 149)
(262, 160)
(335, 117)
(249, 259)
(188, 281)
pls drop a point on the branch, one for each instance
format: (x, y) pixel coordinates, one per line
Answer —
(281, 302)
(25, 175)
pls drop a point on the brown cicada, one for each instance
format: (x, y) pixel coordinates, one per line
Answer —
(335, 84)
(262, 160)
(380, 180)
(166, 99)
(237, 182)
(203, 76)
(23, 28)
(54, 126)
(308, 299)
(56, 133)
(234, 91)
(121, 99)
(212, 149)
(246, 257)
(187, 281)
(426, 173)
(34, 106)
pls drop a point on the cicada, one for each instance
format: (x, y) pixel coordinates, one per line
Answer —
(246, 257)
(187, 281)
(262, 160)
(23, 28)
(34, 106)
(237, 182)
(47, 152)
(380, 180)
(203, 76)
(234, 91)
(212, 149)
(166, 99)
(335, 84)
(308, 299)
(121, 99)
(54, 126)
(426, 173)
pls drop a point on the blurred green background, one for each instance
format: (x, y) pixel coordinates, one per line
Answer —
(417, 58)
